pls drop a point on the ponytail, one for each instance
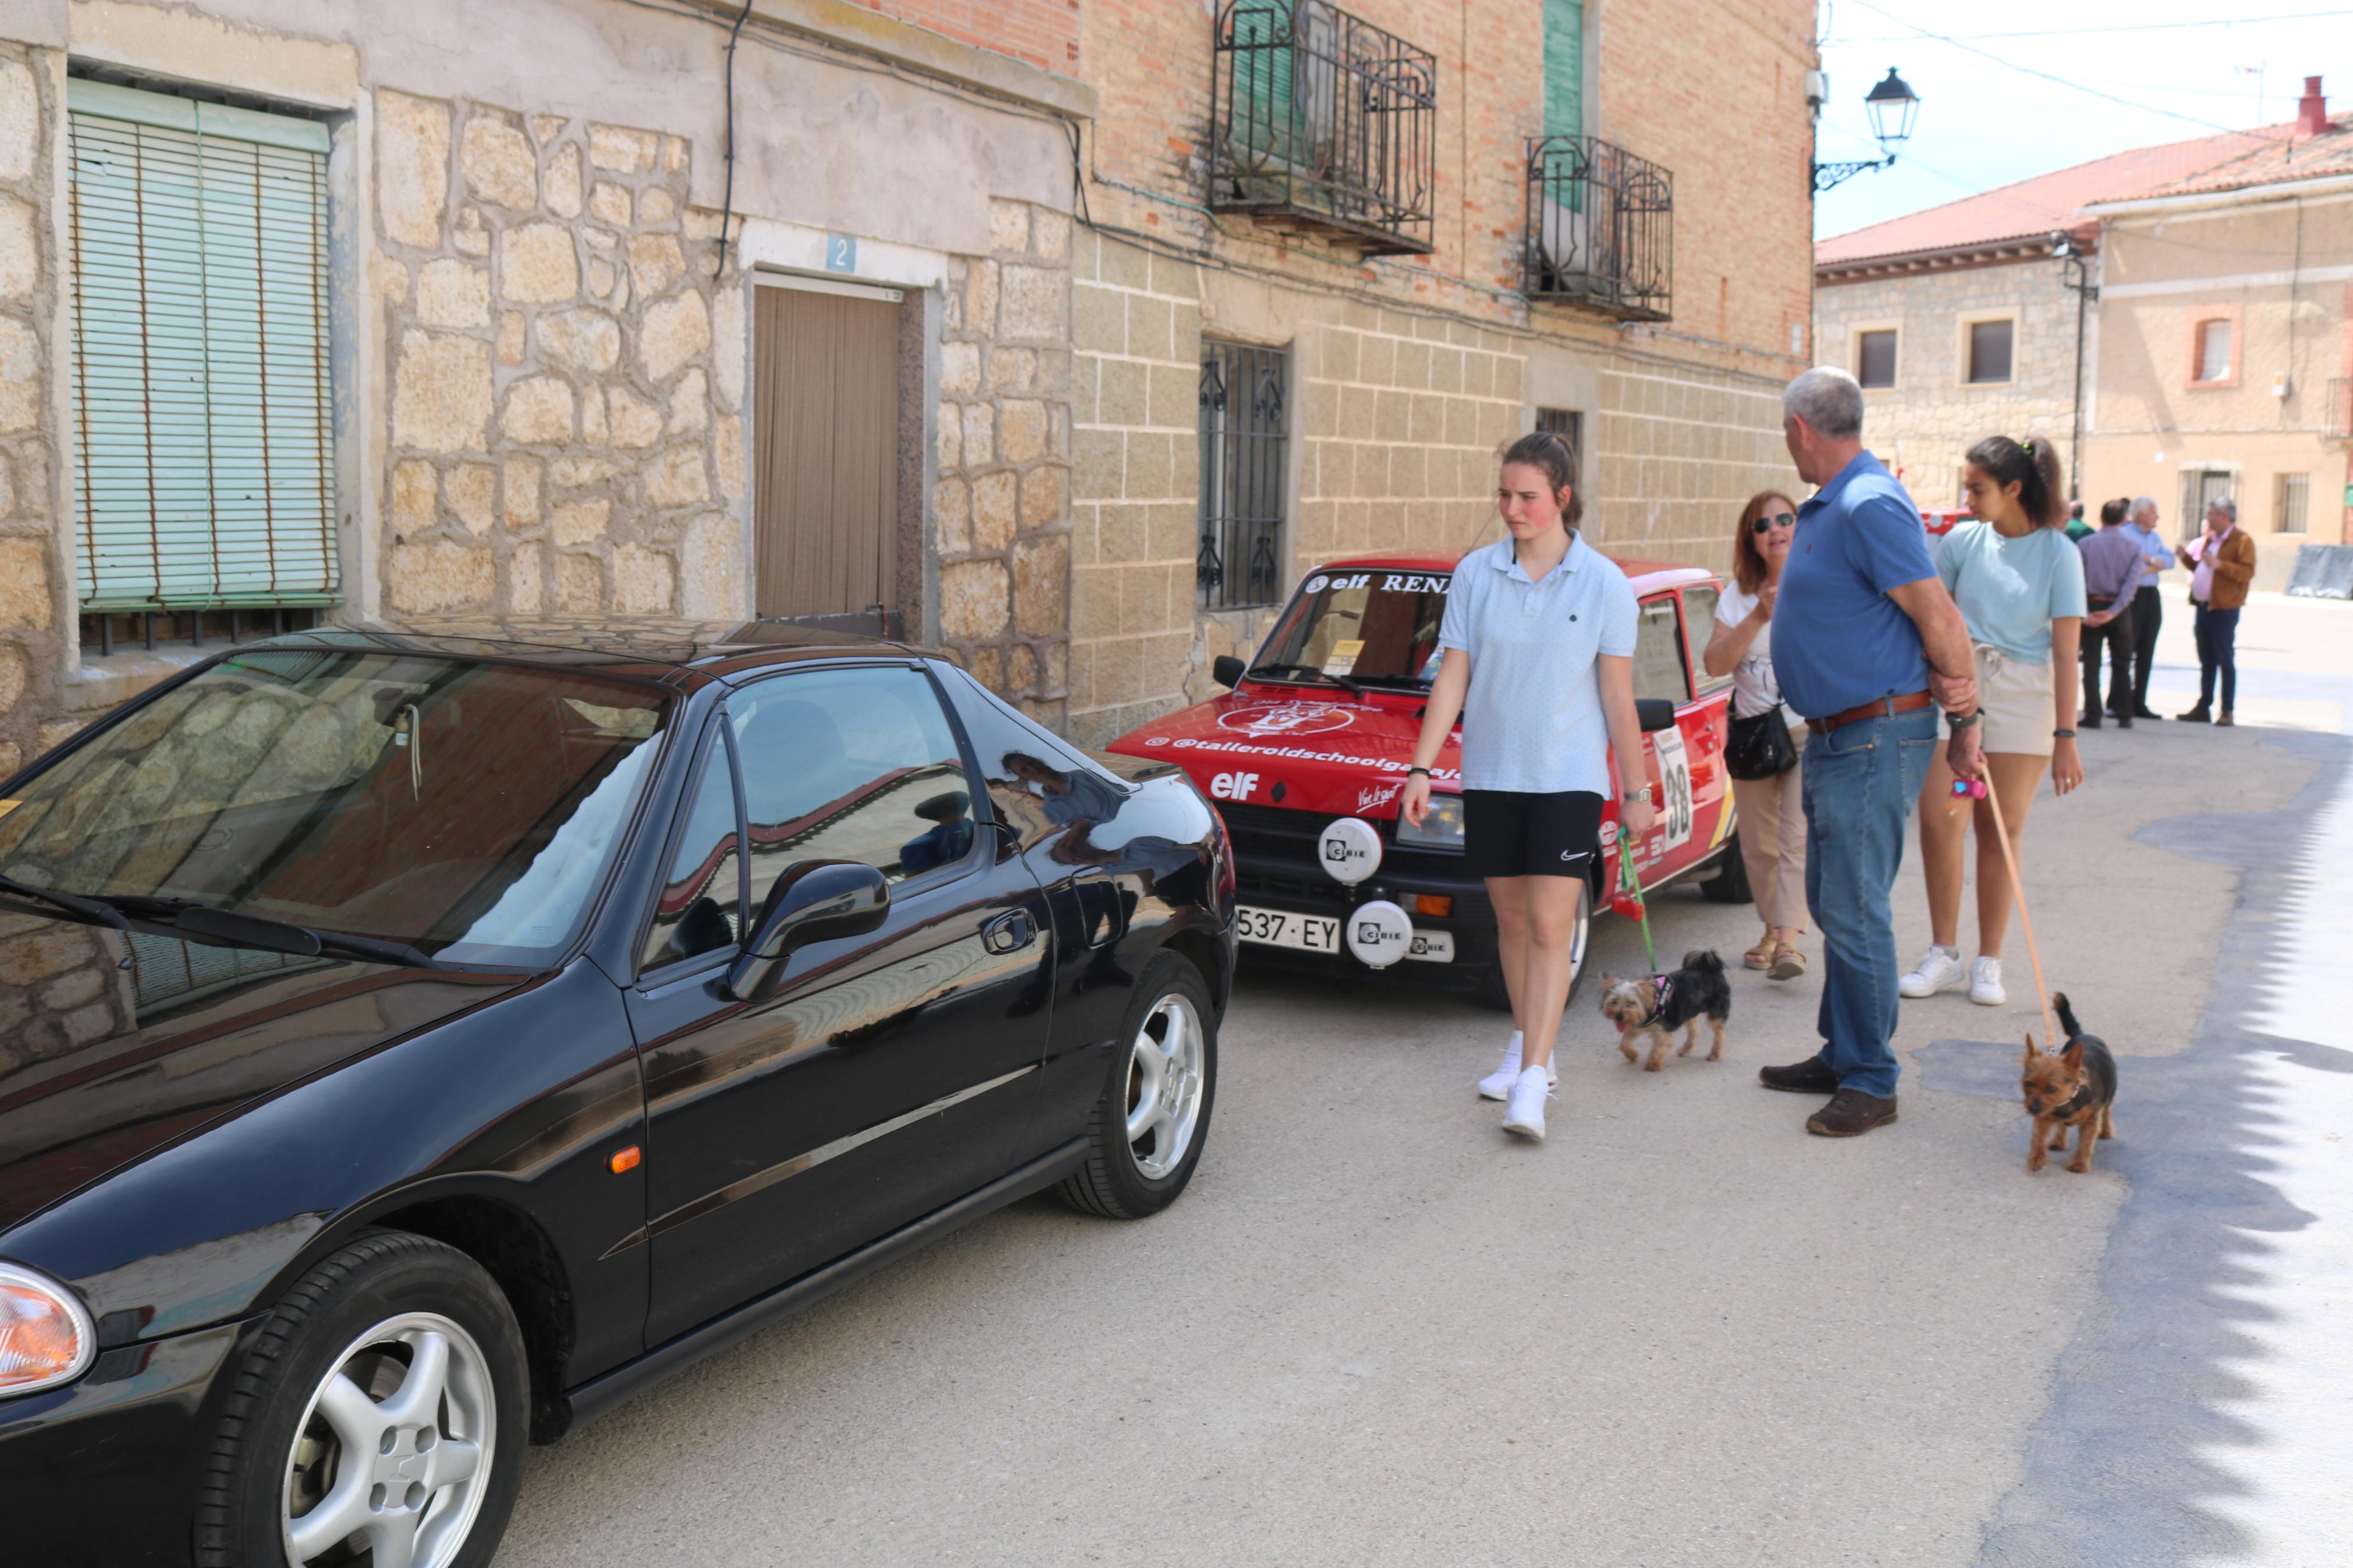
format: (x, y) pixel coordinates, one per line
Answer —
(2032, 465)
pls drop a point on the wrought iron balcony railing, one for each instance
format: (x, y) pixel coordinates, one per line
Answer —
(1600, 228)
(1321, 121)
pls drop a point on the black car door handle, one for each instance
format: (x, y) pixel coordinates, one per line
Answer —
(1009, 932)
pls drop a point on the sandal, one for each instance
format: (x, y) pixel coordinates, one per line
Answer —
(1788, 963)
(1761, 955)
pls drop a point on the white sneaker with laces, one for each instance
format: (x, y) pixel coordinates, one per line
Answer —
(1985, 984)
(1525, 1113)
(1497, 1084)
(1940, 970)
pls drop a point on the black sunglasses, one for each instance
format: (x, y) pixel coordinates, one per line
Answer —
(1779, 519)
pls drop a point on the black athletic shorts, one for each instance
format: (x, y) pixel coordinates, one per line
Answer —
(1511, 833)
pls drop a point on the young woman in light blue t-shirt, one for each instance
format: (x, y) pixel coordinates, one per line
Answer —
(2018, 580)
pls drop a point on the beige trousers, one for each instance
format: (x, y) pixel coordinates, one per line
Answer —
(1773, 841)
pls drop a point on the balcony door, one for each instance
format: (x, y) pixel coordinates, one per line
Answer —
(824, 361)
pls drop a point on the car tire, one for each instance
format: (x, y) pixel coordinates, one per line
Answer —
(1730, 883)
(1493, 992)
(328, 1378)
(1145, 1134)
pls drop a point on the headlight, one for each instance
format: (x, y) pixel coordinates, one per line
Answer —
(1442, 829)
(46, 1335)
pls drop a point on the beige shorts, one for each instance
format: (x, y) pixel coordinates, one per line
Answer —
(2018, 701)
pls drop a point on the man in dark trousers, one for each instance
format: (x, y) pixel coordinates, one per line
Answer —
(2222, 563)
(2149, 604)
(2112, 573)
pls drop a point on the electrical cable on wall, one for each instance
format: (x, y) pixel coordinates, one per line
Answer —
(727, 202)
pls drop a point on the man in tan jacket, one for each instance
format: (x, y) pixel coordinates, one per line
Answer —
(2222, 563)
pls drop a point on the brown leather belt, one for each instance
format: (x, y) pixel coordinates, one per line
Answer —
(1883, 708)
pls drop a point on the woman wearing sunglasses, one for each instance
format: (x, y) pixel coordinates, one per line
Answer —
(1772, 807)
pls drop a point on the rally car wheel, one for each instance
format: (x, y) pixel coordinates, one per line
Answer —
(1730, 883)
(378, 1416)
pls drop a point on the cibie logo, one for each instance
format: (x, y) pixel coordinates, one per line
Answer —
(1286, 719)
(1350, 848)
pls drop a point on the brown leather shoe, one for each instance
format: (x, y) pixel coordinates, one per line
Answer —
(1812, 1076)
(2223, 719)
(1851, 1113)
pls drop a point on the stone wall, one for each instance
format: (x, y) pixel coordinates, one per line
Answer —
(1002, 503)
(1677, 450)
(565, 433)
(1922, 425)
(35, 574)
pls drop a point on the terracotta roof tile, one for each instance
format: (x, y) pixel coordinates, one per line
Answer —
(2030, 209)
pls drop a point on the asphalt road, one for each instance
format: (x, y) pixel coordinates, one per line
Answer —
(1682, 1331)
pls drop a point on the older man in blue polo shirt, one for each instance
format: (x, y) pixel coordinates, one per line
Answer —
(1867, 646)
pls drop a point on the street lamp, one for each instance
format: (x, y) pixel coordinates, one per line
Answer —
(1892, 106)
(2075, 273)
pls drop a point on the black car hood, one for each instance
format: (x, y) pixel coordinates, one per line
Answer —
(114, 1045)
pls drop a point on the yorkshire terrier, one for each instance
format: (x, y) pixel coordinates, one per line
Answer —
(1659, 1005)
(2076, 1088)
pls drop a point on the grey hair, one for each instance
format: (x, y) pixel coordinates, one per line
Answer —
(2141, 504)
(1828, 399)
(2224, 505)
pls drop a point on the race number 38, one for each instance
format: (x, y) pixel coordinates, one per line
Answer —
(1675, 774)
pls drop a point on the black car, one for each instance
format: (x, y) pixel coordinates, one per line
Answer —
(413, 1045)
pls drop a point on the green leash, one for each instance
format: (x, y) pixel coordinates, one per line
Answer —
(1626, 880)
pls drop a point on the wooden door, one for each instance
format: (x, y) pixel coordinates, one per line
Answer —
(826, 453)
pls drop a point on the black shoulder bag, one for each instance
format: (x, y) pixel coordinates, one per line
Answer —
(1760, 748)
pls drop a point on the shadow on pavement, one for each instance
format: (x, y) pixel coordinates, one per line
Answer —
(2116, 1469)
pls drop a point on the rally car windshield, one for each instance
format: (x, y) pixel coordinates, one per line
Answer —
(1377, 628)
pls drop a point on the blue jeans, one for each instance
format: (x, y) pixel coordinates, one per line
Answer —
(1860, 781)
(2218, 651)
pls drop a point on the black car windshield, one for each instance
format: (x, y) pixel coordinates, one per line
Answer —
(1370, 628)
(465, 808)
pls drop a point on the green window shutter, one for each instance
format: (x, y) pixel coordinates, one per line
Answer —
(1262, 99)
(203, 435)
(1564, 68)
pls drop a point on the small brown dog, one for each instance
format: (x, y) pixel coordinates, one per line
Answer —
(1661, 1003)
(2076, 1088)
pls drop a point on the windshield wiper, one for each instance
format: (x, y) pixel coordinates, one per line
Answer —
(1348, 683)
(98, 909)
(202, 920)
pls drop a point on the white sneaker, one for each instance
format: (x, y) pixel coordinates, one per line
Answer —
(1940, 970)
(1497, 1084)
(1985, 984)
(1524, 1114)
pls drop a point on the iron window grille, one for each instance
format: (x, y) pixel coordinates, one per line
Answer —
(2337, 429)
(1569, 423)
(1242, 475)
(1600, 228)
(1321, 121)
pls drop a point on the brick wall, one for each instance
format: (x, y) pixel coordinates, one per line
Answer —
(1003, 501)
(34, 576)
(1923, 423)
(1042, 32)
(565, 438)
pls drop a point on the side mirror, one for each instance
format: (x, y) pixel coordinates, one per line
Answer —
(1655, 713)
(816, 900)
(1226, 671)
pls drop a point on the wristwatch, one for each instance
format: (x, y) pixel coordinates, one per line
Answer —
(1634, 794)
(1956, 723)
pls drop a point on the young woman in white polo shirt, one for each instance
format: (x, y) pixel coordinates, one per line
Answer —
(1539, 664)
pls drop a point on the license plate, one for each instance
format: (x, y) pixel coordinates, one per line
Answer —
(1432, 946)
(1283, 928)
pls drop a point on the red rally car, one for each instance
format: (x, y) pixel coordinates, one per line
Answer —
(1307, 756)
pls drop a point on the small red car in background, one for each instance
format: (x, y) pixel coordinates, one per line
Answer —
(1307, 756)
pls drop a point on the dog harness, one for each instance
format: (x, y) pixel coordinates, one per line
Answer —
(1663, 991)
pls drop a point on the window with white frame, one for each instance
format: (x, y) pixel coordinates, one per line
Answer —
(2290, 497)
(1874, 356)
(2214, 350)
(202, 434)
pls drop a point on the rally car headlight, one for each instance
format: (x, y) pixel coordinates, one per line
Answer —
(46, 1335)
(1442, 829)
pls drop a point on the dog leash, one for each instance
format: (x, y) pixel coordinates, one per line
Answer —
(1633, 893)
(1973, 787)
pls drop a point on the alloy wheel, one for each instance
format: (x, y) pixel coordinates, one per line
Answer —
(1164, 1086)
(393, 1457)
